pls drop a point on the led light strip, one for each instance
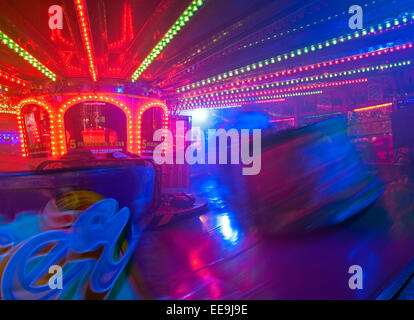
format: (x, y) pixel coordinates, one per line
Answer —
(4, 88)
(21, 126)
(177, 26)
(238, 46)
(244, 101)
(271, 100)
(329, 75)
(84, 25)
(282, 120)
(15, 80)
(373, 107)
(12, 45)
(9, 110)
(323, 115)
(164, 124)
(290, 89)
(312, 48)
(93, 98)
(303, 68)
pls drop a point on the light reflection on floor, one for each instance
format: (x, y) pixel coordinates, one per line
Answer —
(220, 255)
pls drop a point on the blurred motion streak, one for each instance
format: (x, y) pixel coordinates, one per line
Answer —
(311, 178)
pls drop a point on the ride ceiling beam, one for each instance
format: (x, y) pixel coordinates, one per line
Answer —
(17, 32)
(73, 26)
(139, 43)
(171, 33)
(84, 25)
(231, 34)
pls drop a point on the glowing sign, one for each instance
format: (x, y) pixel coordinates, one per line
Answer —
(9, 137)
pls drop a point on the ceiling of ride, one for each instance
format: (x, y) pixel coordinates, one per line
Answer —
(214, 40)
(123, 33)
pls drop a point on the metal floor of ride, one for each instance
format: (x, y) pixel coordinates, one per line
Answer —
(220, 255)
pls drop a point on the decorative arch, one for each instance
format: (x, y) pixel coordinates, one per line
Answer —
(47, 107)
(92, 98)
(139, 123)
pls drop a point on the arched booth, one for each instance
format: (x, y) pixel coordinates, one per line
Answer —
(37, 128)
(100, 124)
(96, 126)
(51, 126)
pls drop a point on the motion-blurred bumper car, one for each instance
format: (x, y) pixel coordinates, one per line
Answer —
(311, 178)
